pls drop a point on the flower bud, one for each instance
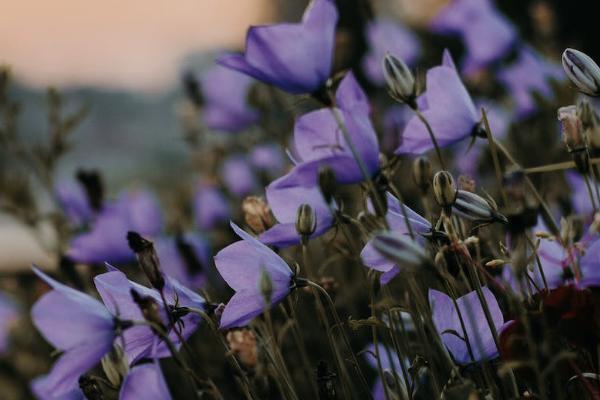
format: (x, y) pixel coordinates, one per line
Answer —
(257, 214)
(444, 189)
(306, 220)
(582, 71)
(265, 285)
(147, 258)
(327, 183)
(422, 173)
(399, 249)
(475, 208)
(400, 81)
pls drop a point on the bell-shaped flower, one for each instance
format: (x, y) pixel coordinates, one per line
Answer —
(243, 265)
(487, 35)
(145, 381)
(388, 36)
(77, 325)
(296, 57)
(211, 207)
(138, 341)
(391, 368)
(372, 258)
(238, 176)
(284, 203)
(185, 258)
(225, 100)
(105, 241)
(448, 108)
(475, 342)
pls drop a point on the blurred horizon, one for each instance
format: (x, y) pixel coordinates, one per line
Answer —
(116, 46)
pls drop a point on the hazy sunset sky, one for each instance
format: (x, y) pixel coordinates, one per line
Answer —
(131, 44)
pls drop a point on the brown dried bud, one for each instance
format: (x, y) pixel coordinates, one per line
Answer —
(327, 183)
(147, 258)
(572, 129)
(306, 220)
(149, 307)
(444, 189)
(422, 173)
(466, 183)
(242, 344)
(257, 214)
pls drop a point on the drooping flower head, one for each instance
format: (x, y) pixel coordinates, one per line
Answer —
(77, 325)
(225, 95)
(145, 381)
(480, 344)
(241, 265)
(296, 57)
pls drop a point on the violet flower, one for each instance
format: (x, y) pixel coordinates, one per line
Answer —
(487, 35)
(447, 106)
(590, 267)
(132, 211)
(447, 322)
(225, 95)
(9, 313)
(74, 202)
(580, 198)
(529, 73)
(241, 265)
(145, 381)
(139, 341)
(386, 35)
(268, 157)
(372, 258)
(390, 363)
(284, 203)
(185, 258)
(296, 57)
(77, 325)
(238, 176)
(211, 207)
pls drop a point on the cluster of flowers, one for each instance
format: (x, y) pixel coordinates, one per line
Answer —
(466, 291)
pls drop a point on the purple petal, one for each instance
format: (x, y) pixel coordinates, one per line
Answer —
(245, 305)
(210, 207)
(74, 201)
(238, 176)
(177, 266)
(145, 381)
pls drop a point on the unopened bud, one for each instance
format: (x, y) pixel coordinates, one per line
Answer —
(582, 71)
(149, 307)
(115, 365)
(147, 258)
(400, 81)
(444, 189)
(475, 208)
(399, 249)
(306, 220)
(327, 183)
(265, 285)
(257, 214)
(422, 173)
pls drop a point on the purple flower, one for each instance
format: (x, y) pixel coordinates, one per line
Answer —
(487, 35)
(284, 203)
(447, 106)
(139, 341)
(268, 157)
(225, 94)
(447, 322)
(145, 381)
(77, 325)
(385, 35)
(37, 388)
(9, 313)
(579, 193)
(211, 208)
(185, 258)
(241, 265)
(373, 258)
(529, 73)
(590, 266)
(132, 211)
(318, 139)
(390, 363)
(296, 58)
(73, 199)
(238, 175)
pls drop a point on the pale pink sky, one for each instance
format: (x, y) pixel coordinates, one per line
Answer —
(132, 44)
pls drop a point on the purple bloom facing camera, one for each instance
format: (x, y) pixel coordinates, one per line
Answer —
(296, 58)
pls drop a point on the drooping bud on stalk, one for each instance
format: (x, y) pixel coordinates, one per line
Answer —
(90, 388)
(147, 258)
(265, 285)
(572, 133)
(115, 365)
(327, 183)
(582, 71)
(257, 214)
(399, 249)
(149, 308)
(91, 181)
(422, 173)
(306, 220)
(400, 81)
(475, 208)
(444, 189)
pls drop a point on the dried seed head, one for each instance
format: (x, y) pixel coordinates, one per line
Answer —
(242, 343)
(306, 220)
(422, 173)
(327, 183)
(257, 214)
(572, 128)
(444, 189)
(400, 81)
(582, 71)
(147, 258)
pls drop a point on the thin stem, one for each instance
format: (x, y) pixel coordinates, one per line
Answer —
(494, 151)
(438, 152)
